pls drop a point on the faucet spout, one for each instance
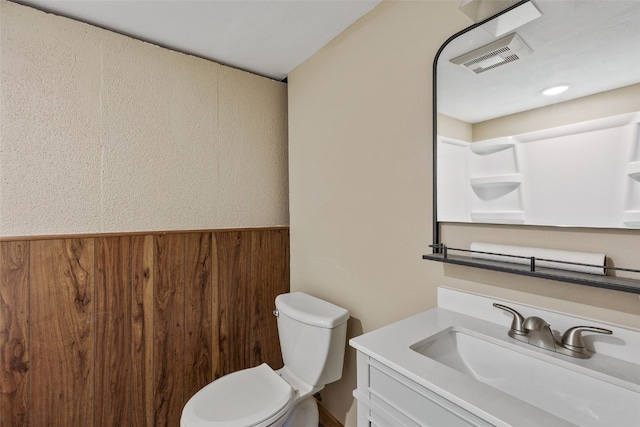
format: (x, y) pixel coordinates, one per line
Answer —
(540, 333)
(535, 331)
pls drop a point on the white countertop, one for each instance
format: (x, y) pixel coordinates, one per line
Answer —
(390, 345)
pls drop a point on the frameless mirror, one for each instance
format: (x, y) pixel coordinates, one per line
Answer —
(507, 153)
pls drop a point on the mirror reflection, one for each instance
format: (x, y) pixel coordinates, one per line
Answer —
(508, 152)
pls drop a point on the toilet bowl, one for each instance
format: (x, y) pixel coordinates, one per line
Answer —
(256, 397)
(312, 339)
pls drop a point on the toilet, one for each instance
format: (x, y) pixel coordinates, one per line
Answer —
(312, 339)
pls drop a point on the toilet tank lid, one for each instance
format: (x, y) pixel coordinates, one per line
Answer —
(311, 310)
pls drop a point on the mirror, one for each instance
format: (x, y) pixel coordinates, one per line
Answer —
(508, 154)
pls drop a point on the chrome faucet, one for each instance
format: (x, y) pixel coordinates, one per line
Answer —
(535, 331)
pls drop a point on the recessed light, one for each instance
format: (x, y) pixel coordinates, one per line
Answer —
(555, 90)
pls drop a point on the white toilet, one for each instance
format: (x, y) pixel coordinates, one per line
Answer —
(312, 338)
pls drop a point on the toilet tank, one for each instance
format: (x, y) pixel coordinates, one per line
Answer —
(312, 337)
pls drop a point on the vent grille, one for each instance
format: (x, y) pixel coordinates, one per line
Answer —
(496, 54)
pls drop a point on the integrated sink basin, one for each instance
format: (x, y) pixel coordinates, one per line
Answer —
(557, 385)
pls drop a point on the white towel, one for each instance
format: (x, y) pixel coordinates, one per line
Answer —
(554, 254)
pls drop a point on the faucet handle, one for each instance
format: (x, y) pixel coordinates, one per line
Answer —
(517, 324)
(572, 338)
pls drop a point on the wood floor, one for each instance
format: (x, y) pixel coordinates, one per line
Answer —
(327, 419)
(123, 329)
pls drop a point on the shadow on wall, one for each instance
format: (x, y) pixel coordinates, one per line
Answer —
(333, 394)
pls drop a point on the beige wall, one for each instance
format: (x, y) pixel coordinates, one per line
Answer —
(360, 187)
(454, 128)
(103, 133)
(604, 104)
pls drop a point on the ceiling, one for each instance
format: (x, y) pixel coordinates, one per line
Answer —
(593, 46)
(265, 37)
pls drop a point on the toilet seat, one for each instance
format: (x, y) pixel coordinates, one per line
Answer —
(247, 398)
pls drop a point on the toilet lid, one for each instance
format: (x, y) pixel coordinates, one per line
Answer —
(241, 399)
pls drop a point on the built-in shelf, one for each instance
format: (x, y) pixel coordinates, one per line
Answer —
(511, 179)
(608, 282)
(491, 146)
(634, 170)
(498, 217)
(631, 218)
(496, 186)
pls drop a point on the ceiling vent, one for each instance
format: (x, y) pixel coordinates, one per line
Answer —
(507, 49)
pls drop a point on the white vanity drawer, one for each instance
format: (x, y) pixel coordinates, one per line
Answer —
(380, 414)
(405, 403)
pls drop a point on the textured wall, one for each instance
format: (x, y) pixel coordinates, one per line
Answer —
(103, 133)
(360, 187)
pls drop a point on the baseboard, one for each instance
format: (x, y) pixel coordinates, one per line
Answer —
(326, 419)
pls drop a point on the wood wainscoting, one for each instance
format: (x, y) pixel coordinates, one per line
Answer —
(121, 330)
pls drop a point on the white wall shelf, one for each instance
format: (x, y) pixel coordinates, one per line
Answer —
(491, 146)
(631, 218)
(493, 187)
(634, 170)
(512, 179)
(498, 217)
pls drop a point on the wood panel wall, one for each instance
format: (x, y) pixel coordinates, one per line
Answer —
(121, 330)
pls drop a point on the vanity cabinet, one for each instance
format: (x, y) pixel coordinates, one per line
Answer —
(386, 398)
